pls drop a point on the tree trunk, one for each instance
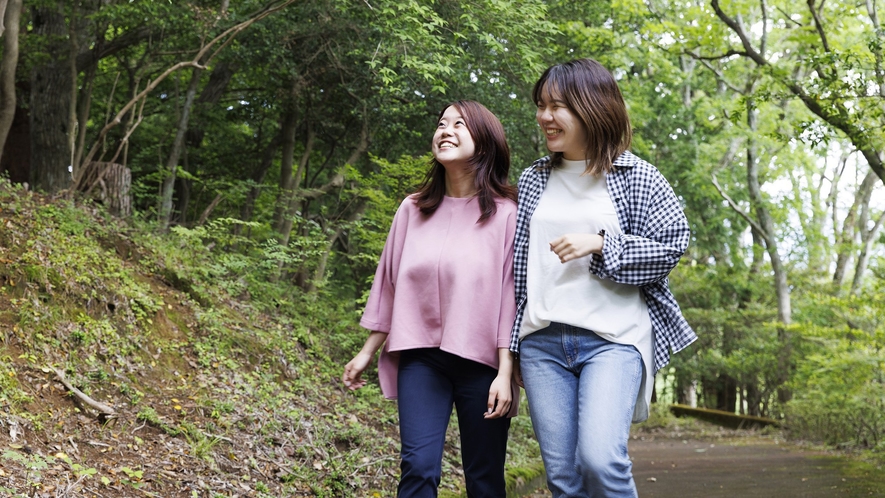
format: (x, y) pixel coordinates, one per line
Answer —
(11, 21)
(3, 16)
(726, 393)
(206, 212)
(185, 189)
(84, 103)
(108, 183)
(50, 103)
(754, 400)
(286, 221)
(320, 273)
(175, 153)
(257, 179)
(179, 146)
(782, 289)
(847, 237)
(867, 239)
(288, 180)
(758, 204)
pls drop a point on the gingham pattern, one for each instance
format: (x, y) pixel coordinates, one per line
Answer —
(655, 234)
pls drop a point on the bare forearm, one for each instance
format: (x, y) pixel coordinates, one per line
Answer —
(373, 343)
(505, 362)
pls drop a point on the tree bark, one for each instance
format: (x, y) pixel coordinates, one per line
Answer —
(175, 153)
(726, 393)
(206, 212)
(257, 179)
(3, 4)
(754, 188)
(867, 239)
(50, 103)
(847, 237)
(84, 103)
(292, 194)
(289, 181)
(11, 21)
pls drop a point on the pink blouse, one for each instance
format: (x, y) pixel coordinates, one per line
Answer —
(444, 281)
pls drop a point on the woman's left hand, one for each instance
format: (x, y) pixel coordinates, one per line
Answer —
(576, 245)
(500, 397)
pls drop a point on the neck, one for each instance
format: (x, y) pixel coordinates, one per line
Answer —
(460, 184)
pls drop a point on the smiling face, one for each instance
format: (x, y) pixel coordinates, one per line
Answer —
(452, 142)
(564, 131)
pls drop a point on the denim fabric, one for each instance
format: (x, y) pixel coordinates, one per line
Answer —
(581, 391)
(431, 381)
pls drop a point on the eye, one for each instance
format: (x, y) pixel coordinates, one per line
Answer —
(460, 122)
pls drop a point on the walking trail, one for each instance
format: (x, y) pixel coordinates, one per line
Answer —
(745, 465)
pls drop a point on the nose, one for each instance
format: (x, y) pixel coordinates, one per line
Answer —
(543, 115)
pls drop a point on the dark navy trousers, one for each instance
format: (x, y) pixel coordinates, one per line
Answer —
(430, 382)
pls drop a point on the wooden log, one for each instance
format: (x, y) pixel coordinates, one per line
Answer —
(723, 418)
(102, 408)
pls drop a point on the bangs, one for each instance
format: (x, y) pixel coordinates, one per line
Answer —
(548, 86)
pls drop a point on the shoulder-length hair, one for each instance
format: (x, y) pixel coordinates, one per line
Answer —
(490, 162)
(591, 92)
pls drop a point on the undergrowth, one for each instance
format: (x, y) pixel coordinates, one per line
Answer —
(223, 375)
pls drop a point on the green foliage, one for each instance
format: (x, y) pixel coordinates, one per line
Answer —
(11, 392)
(382, 190)
(840, 387)
(35, 465)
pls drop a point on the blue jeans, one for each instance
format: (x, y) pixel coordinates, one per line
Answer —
(430, 382)
(581, 391)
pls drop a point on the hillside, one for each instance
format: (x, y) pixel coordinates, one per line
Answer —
(199, 374)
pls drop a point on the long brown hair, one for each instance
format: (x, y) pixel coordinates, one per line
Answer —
(591, 92)
(490, 162)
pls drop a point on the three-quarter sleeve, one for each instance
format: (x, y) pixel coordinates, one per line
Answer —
(508, 301)
(378, 313)
(648, 256)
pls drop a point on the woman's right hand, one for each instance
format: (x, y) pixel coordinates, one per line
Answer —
(517, 374)
(353, 371)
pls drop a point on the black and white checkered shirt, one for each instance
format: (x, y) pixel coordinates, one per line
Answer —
(655, 234)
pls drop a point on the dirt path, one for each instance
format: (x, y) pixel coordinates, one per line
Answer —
(755, 467)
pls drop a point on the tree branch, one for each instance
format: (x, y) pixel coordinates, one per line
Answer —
(199, 61)
(739, 30)
(819, 25)
(716, 72)
(104, 409)
(764, 41)
(834, 116)
(730, 53)
(756, 226)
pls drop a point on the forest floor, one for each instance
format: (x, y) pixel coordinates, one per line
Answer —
(728, 463)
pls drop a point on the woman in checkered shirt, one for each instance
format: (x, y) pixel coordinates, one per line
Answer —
(598, 231)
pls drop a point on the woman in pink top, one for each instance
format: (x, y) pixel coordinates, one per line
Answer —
(442, 305)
